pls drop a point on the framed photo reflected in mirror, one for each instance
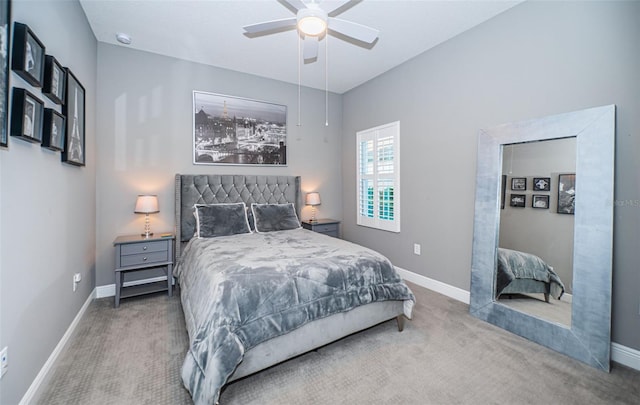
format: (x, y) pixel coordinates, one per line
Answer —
(518, 183)
(517, 200)
(540, 201)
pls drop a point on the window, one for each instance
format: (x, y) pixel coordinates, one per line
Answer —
(379, 177)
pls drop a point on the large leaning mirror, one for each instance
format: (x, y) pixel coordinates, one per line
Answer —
(580, 202)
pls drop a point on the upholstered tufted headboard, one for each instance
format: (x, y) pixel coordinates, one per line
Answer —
(214, 188)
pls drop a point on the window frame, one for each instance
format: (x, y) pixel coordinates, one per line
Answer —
(375, 135)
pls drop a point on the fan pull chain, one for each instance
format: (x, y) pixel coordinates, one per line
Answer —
(326, 81)
(299, 62)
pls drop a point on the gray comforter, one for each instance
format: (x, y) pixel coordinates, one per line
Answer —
(513, 264)
(238, 291)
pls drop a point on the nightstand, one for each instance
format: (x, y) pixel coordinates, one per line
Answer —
(134, 253)
(326, 226)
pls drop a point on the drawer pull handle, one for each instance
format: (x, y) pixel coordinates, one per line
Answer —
(144, 248)
(144, 259)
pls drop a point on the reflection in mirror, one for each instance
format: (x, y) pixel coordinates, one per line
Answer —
(535, 260)
(586, 199)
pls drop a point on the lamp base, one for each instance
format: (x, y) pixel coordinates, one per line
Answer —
(146, 235)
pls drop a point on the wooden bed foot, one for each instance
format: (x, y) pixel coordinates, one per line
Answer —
(546, 298)
(400, 320)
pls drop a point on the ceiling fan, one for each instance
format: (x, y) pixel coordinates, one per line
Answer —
(313, 22)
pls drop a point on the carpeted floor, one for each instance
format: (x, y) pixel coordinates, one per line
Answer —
(133, 355)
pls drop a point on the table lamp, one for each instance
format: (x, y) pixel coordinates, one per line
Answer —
(313, 199)
(147, 204)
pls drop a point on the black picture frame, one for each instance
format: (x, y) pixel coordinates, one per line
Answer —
(26, 116)
(55, 80)
(28, 55)
(5, 38)
(518, 183)
(540, 201)
(542, 184)
(74, 111)
(566, 193)
(503, 190)
(229, 130)
(517, 200)
(53, 130)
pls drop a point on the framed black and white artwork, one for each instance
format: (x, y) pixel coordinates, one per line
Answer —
(26, 116)
(28, 55)
(541, 184)
(238, 131)
(519, 183)
(567, 194)
(517, 200)
(53, 129)
(5, 18)
(540, 201)
(55, 79)
(503, 190)
(74, 112)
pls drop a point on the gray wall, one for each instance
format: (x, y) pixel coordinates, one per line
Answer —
(145, 137)
(542, 232)
(47, 211)
(534, 60)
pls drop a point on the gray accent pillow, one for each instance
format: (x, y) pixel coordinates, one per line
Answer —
(214, 220)
(275, 217)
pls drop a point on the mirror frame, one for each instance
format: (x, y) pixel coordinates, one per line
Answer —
(589, 338)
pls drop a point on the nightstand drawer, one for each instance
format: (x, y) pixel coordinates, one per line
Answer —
(144, 258)
(325, 228)
(146, 247)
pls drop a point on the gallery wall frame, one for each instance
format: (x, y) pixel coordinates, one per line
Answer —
(517, 200)
(503, 190)
(74, 111)
(518, 183)
(5, 38)
(55, 80)
(542, 184)
(230, 130)
(567, 194)
(28, 55)
(540, 201)
(26, 116)
(53, 130)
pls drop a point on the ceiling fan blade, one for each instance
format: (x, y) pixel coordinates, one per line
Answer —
(293, 5)
(344, 6)
(310, 51)
(356, 31)
(270, 25)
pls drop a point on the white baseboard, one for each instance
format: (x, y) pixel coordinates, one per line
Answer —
(625, 355)
(435, 285)
(620, 354)
(29, 396)
(109, 290)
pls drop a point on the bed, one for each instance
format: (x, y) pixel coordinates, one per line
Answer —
(254, 299)
(524, 273)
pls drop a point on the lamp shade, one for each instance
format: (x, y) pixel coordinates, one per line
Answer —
(312, 199)
(147, 204)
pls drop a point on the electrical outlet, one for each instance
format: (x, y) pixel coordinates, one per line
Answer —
(416, 249)
(4, 360)
(76, 279)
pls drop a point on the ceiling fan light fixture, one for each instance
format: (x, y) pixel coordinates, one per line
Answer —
(312, 21)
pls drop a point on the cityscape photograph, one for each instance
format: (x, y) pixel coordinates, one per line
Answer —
(232, 130)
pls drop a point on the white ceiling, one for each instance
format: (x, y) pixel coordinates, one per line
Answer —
(210, 32)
